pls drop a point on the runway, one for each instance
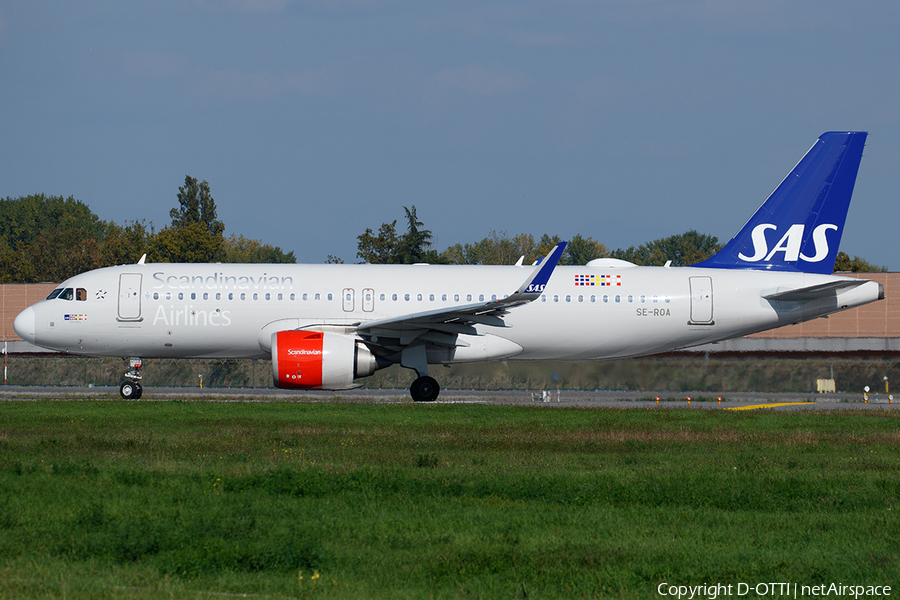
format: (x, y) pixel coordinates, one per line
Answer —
(557, 398)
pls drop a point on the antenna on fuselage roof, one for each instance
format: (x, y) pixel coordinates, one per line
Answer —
(143, 259)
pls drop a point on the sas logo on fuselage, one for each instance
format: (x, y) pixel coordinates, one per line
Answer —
(789, 243)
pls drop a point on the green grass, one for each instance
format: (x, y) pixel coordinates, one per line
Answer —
(183, 499)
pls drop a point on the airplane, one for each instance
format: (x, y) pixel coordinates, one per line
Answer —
(328, 326)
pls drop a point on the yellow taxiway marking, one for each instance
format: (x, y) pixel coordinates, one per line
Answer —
(768, 405)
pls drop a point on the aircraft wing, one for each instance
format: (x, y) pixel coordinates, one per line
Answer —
(461, 319)
(814, 291)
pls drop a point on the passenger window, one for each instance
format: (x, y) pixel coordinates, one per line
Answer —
(581, 298)
(568, 298)
(281, 296)
(81, 294)
(293, 297)
(543, 298)
(243, 296)
(630, 298)
(431, 297)
(193, 295)
(618, 298)
(419, 297)
(605, 298)
(481, 297)
(330, 297)
(444, 297)
(156, 295)
(593, 298)
(206, 295)
(181, 295)
(406, 297)
(231, 295)
(268, 296)
(456, 297)
(317, 297)
(305, 297)
(555, 298)
(468, 297)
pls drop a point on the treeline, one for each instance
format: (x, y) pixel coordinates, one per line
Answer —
(498, 248)
(51, 238)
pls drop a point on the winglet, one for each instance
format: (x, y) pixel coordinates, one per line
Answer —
(798, 228)
(535, 284)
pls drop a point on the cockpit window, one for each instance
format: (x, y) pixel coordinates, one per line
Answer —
(54, 293)
(81, 294)
(67, 294)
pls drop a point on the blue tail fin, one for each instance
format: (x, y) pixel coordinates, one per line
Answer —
(799, 227)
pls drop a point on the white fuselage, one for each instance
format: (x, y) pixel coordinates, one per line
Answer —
(230, 310)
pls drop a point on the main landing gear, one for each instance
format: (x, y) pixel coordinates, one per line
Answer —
(424, 389)
(130, 388)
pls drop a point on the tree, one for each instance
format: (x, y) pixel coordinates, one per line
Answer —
(195, 235)
(378, 249)
(126, 244)
(496, 249)
(196, 206)
(47, 238)
(581, 250)
(238, 249)
(844, 264)
(687, 248)
(414, 246)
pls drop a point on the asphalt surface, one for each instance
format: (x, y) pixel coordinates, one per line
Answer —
(561, 398)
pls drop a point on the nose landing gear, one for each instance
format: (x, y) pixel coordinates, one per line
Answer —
(130, 388)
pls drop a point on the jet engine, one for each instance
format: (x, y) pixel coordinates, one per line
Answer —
(316, 360)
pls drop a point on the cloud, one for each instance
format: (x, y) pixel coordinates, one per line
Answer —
(484, 81)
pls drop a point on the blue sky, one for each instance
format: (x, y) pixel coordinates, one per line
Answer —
(623, 120)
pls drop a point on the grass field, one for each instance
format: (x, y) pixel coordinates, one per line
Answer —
(344, 500)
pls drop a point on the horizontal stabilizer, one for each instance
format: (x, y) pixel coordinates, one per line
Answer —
(814, 291)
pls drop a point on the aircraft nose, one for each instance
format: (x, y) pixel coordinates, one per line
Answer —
(24, 325)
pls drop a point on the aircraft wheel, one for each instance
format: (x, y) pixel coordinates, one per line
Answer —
(424, 389)
(129, 390)
(138, 391)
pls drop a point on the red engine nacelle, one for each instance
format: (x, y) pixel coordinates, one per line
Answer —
(316, 360)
